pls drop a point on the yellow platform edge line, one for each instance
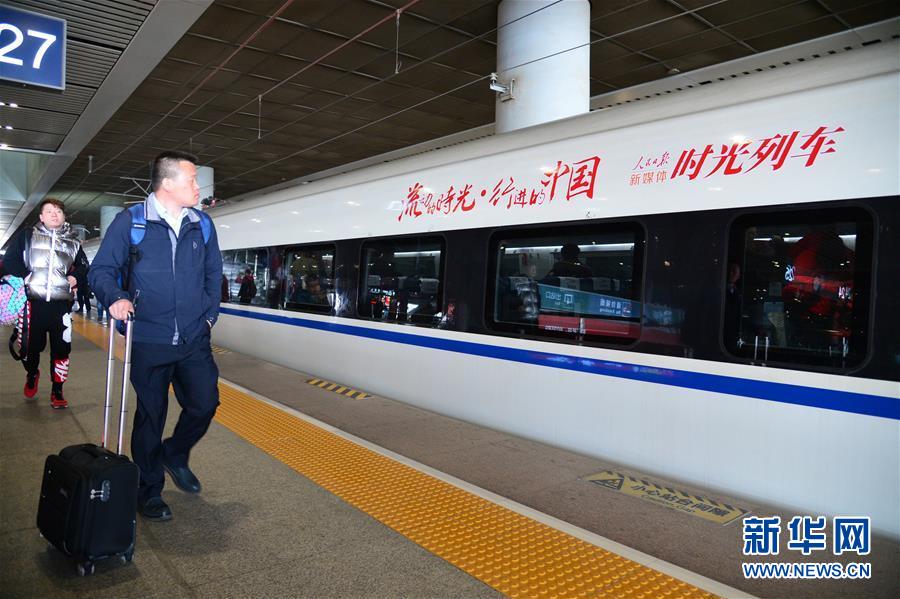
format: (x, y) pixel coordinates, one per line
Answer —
(512, 553)
(516, 555)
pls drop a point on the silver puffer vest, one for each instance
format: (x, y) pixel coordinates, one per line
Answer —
(50, 257)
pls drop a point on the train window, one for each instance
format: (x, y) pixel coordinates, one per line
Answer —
(401, 280)
(797, 287)
(309, 278)
(245, 276)
(575, 283)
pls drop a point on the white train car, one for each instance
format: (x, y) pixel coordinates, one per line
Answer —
(702, 285)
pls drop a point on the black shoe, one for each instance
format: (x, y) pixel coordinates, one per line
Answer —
(183, 478)
(155, 509)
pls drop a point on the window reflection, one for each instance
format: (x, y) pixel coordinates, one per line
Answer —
(310, 278)
(794, 291)
(245, 276)
(401, 280)
(579, 284)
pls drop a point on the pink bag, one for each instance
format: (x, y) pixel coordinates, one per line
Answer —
(12, 299)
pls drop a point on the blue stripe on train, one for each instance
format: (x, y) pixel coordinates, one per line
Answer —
(829, 399)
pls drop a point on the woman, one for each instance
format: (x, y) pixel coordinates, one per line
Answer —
(50, 259)
(248, 288)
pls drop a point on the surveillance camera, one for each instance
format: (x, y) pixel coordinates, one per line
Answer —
(496, 86)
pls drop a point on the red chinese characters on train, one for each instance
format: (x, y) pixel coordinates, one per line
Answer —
(578, 178)
(419, 201)
(743, 157)
(567, 182)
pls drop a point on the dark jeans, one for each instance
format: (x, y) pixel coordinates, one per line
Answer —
(84, 302)
(193, 373)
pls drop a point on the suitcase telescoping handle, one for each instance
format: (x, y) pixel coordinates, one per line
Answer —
(110, 368)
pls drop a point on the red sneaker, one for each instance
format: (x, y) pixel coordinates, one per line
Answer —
(31, 384)
(57, 401)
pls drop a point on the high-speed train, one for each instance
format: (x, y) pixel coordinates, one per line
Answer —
(701, 285)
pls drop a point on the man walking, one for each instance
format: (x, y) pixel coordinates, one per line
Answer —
(173, 279)
(84, 299)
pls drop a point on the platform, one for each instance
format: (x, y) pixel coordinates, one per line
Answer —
(313, 489)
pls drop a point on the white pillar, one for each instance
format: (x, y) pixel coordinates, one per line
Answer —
(550, 88)
(107, 214)
(205, 181)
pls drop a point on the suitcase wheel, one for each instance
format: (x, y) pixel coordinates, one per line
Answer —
(126, 557)
(86, 569)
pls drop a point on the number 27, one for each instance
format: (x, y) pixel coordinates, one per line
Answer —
(17, 41)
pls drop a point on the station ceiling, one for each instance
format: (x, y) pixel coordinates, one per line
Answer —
(267, 91)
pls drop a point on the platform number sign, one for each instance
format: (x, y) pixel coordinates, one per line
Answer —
(32, 48)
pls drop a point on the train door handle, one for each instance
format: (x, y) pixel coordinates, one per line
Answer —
(765, 343)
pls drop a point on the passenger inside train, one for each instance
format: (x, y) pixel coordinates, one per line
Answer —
(310, 278)
(311, 292)
(799, 294)
(402, 281)
(583, 285)
(570, 265)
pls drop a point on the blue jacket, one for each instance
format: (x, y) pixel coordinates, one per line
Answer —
(175, 284)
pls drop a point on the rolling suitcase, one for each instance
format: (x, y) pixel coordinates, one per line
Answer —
(88, 501)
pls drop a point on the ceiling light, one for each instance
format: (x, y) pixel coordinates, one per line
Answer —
(13, 105)
(4, 147)
(8, 127)
(2, 103)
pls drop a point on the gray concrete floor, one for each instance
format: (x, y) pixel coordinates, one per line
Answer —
(258, 529)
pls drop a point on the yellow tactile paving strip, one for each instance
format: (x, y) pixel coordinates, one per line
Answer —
(514, 554)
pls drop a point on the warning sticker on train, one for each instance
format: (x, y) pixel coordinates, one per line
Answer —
(674, 499)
